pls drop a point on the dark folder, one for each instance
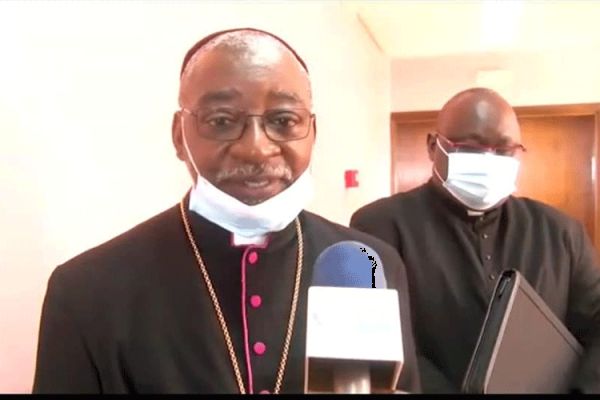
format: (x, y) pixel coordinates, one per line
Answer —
(522, 347)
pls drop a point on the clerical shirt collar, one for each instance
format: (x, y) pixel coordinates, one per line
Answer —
(473, 213)
(238, 240)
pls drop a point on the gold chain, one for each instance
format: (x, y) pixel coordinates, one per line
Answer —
(221, 318)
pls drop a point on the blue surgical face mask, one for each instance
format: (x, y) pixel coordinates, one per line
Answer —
(479, 180)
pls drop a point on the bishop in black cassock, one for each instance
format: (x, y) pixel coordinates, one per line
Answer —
(172, 305)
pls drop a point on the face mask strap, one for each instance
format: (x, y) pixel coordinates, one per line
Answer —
(187, 149)
(435, 171)
(437, 142)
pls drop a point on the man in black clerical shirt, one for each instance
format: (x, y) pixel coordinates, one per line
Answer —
(210, 295)
(458, 231)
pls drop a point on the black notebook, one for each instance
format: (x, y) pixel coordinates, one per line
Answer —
(522, 347)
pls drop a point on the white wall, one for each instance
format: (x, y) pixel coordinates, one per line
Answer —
(87, 91)
(565, 75)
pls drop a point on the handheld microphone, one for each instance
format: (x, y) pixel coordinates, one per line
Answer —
(353, 331)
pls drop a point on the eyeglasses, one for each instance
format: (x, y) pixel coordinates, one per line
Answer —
(228, 124)
(464, 147)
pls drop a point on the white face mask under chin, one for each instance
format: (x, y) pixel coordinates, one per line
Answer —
(249, 224)
(480, 180)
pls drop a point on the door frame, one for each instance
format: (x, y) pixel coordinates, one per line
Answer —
(560, 110)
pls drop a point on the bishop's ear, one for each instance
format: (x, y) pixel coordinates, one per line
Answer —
(177, 136)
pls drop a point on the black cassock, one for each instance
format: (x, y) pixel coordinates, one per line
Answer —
(133, 315)
(453, 261)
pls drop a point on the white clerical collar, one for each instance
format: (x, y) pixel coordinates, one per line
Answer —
(472, 213)
(239, 240)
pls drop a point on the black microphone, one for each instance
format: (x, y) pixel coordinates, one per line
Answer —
(353, 332)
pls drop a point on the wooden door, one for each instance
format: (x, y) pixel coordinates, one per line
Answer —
(559, 168)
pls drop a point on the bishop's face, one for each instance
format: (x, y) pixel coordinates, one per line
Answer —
(251, 158)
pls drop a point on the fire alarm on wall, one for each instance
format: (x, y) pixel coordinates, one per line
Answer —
(351, 178)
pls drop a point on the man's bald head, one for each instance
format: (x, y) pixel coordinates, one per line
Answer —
(246, 48)
(480, 115)
(474, 121)
(234, 38)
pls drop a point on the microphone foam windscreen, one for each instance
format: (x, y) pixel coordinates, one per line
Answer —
(349, 264)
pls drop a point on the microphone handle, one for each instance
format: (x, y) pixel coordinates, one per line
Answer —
(352, 378)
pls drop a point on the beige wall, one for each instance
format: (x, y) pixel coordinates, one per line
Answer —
(560, 76)
(87, 91)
